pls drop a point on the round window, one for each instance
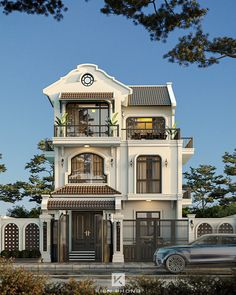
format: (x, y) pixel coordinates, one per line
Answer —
(87, 79)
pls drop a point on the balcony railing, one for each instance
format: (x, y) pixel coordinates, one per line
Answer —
(168, 133)
(187, 142)
(49, 146)
(86, 130)
(187, 194)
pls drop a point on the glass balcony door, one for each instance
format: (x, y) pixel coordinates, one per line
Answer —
(87, 119)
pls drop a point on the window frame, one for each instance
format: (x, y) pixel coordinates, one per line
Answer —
(148, 181)
(103, 176)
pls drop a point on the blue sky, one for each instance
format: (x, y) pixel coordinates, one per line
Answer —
(36, 51)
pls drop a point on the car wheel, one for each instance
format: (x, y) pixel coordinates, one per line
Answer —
(175, 263)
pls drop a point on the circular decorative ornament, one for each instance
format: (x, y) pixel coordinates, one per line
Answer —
(87, 79)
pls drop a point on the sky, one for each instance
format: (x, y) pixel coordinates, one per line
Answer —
(36, 51)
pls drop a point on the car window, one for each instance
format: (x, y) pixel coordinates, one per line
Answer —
(209, 240)
(227, 240)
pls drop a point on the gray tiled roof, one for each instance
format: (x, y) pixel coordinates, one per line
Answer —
(85, 190)
(86, 95)
(149, 95)
(81, 204)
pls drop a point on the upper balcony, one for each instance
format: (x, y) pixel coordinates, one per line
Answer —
(98, 135)
(151, 133)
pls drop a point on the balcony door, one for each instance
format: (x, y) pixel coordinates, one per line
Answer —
(87, 119)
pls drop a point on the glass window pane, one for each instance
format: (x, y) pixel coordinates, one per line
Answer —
(148, 174)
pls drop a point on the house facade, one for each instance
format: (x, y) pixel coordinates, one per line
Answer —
(118, 160)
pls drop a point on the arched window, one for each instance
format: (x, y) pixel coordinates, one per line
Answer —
(149, 174)
(203, 229)
(32, 236)
(11, 237)
(226, 228)
(87, 168)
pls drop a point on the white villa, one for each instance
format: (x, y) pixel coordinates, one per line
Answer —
(118, 167)
(118, 160)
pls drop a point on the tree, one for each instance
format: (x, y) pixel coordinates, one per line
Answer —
(9, 192)
(22, 212)
(206, 186)
(230, 171)
(159, 18)
(54, 8)
(41, 180)
(2, 166)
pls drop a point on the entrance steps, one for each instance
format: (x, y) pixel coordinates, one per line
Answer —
(82, 256)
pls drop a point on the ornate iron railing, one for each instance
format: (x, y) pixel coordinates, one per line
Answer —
(147, 133)
(84, 130)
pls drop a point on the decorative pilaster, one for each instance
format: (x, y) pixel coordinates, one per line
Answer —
(118, 255)
(191, 227)
(45, 237)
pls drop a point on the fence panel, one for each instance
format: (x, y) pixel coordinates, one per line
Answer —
(144, 235)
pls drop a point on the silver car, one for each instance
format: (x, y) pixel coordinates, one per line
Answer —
(211, 248)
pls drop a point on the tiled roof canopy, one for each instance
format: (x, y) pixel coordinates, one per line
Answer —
(86, 95)
(81, 204)
(86, 190)
(149, 95)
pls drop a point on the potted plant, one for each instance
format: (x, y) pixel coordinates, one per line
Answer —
(61, 124)
(111, 123)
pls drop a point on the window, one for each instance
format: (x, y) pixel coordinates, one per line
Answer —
(87, 168)
(149, 174)
(146, 127)
(87, 119)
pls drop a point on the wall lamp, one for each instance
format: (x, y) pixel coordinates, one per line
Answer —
(112, 162)
(166, 162)
(62, 162)
(131, 163)
(191, 224)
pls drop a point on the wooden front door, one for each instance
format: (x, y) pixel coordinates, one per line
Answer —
(87, 232)
(83, 236)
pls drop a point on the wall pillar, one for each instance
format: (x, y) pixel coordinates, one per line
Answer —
(45, 237)
(179, 208)
(191, 227)
(118, 255)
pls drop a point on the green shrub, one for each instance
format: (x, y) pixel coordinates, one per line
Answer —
(194, 285)
(144, 286)
(35, 253)
(85, 287)
(202, 285)
(6, 253)
(18, 281)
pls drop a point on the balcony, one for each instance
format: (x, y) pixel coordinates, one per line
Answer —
(83, 130)
(187, 149)
(84, 134)
(187, 198)
(46, 145)
(152, 134)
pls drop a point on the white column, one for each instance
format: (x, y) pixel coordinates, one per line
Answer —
(191, 227)
(45, 252)
(179, 208)
(118, 255)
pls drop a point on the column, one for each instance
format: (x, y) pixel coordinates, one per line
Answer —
(179, 208)
(191, 227)
(45, 237)
(118, 255)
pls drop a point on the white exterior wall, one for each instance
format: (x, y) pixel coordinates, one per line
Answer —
(166, 208)
(21, 224)
(215, 224)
